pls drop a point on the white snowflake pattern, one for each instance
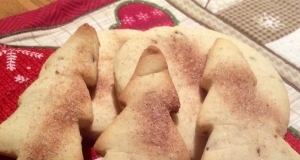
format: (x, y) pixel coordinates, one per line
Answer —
(143, 16)
(11, 60)
(157, 12)
(31, 54)
(11, 56)
(20, 79)
(268, 21)
(128, 20)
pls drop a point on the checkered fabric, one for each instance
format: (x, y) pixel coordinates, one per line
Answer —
(263, 21)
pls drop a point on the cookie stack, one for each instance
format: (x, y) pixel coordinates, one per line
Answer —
(166, 93)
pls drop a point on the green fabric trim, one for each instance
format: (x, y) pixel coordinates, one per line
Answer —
(295, 132)
(174, 19)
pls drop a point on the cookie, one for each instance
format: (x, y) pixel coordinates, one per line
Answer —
(105, 105)
(53, 108)
(145, 129)
(185, 50)
(239, 115)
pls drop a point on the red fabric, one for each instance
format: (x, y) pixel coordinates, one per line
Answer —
(19, 68)
(56, 13)
(293, 141)
(142, 16)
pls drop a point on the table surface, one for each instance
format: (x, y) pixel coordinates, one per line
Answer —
(14, 7)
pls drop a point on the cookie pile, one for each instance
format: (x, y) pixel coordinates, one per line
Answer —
(166, 93)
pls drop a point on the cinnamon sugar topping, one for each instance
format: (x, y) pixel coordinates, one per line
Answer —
(237, 87)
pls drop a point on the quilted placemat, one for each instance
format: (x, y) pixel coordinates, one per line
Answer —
(24, 47)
